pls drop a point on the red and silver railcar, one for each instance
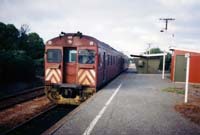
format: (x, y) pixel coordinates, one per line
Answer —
(77, 65)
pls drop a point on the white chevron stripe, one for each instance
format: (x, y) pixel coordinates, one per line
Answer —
(53, 80)
(86, 82)
(88, 75)
(47, 71)
(59, 72)
(83, 76)
(80, 72)
(54, 74)
(50, 74)
(93, 73)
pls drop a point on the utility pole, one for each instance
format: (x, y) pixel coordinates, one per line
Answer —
(149, 48)
(166, 27)
(166, 22)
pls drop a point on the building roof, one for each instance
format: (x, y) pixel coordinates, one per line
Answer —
(149, 55)
(184, 49)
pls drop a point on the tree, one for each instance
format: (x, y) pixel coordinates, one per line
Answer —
(35, 46)
(24, 29)
(16, 66)
(167, 62)
(23, 37)
(8, 37)
(20, 53)
(155, 50)
(2, 35)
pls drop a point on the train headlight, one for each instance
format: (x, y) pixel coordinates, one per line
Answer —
(69, 41)
(49, 42)
(91, 43)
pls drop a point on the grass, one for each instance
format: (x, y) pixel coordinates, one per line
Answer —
(174, 90)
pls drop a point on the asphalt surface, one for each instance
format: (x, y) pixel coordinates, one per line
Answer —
(138, 108)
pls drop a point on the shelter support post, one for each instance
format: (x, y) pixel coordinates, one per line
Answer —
(163, 71)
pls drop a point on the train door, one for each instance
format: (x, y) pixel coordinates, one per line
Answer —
(104, 66)
(70, 65)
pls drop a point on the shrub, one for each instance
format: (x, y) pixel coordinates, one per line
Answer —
(16, 66)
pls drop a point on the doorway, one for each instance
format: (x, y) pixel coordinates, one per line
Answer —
(70, 65)
(180, 68)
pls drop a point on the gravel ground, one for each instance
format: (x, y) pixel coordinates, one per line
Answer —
(139, 108)
(22, 112)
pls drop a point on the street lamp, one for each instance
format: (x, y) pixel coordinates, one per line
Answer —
(161, 30)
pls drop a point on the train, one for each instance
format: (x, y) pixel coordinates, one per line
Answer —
(77, 66)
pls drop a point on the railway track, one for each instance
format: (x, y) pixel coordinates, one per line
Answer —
(42, 121)
(22, 96)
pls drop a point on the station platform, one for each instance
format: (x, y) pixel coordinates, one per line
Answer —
(132, 104)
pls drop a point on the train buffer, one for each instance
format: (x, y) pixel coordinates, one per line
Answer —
(74, 86)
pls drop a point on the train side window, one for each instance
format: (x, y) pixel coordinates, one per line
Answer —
(111, 60)
(99, 60)
(54, 55)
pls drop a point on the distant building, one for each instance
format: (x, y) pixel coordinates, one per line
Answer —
(178, 65)
(147, 64)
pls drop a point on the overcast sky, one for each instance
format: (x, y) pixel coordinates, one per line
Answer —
(127, 25)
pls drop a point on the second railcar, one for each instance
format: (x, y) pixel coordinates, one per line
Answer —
(77, 65)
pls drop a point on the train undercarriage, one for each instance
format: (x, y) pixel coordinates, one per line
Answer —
(68, 93)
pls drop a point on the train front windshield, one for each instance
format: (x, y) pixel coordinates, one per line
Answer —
(53, 55)
(86, 56)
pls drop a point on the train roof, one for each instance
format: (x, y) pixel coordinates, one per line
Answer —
(79, 34)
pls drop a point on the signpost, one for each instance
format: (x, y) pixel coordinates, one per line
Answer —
(187, 55)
